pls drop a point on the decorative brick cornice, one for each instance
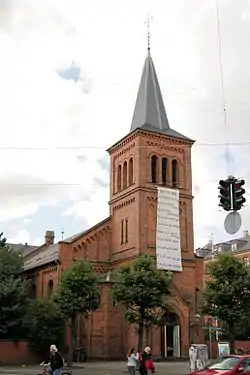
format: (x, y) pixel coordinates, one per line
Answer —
(124, 203)
(91, 237)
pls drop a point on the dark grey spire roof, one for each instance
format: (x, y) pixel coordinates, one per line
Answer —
(150, 113)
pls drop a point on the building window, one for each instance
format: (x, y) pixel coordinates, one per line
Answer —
(247, 262)
(119, 178)
(130, 171)
(126, 230)
(50, 288)
(154, 169)
(174, 173)
(164, 171)
(122, 231)
(125, 174)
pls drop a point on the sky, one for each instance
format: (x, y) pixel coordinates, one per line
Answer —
(69, 76)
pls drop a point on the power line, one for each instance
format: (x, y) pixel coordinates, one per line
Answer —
(222, 85)
(201, 144)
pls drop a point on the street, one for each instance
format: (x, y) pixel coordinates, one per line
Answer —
(101, 368)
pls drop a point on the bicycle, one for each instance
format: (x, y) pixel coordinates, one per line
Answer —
(46, 372)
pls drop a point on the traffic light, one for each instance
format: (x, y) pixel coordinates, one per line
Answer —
(238, 192)
(225, 194)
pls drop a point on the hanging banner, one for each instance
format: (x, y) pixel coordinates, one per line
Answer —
(168, 248)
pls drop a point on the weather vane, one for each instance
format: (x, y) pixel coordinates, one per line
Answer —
(149, 19)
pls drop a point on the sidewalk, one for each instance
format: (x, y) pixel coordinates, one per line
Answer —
(101, 368)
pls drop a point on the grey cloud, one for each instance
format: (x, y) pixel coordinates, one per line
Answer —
(21, 190)
(101, 182)
(81, 158)
(104, 162)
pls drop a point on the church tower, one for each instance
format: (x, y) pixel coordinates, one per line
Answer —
(151, 155)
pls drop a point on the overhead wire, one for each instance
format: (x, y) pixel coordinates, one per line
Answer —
(104, 148)
(223, 86)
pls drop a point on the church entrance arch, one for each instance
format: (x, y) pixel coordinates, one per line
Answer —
(170, 335)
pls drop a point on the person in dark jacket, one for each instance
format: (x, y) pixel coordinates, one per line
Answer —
(55, 361)
(143, 359)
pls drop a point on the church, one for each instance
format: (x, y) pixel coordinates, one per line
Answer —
(152, 154)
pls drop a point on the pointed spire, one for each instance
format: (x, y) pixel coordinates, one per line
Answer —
(150, 113)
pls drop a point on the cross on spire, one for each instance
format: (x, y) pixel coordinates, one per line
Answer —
(149, 34)
(148, 22)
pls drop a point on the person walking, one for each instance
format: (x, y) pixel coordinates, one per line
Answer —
(146, 362)
(132, 361)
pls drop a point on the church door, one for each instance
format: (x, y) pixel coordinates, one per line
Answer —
(171, 336)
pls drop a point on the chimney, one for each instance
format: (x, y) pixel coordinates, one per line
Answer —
(49, 237)
(245, 233)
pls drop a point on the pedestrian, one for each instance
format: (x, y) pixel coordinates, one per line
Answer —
(132, 361)
(146, 362)
(54, 361)
(150, 366)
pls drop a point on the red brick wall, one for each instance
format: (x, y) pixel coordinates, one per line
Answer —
(106, 331)
(15, 353)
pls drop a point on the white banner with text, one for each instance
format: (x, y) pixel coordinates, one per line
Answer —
(168, 244)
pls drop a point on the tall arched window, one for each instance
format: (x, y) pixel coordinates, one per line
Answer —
(154, 169)
(164, 164)
(175, 173)
(125, 174)
(50, 288)
(130, 171)
(119, 178)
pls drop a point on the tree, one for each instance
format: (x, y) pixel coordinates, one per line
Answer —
(13, 292)
(141, 289)
(227, 292)
(44, 324)
(78, 294)
(3, 240)
(11, 263)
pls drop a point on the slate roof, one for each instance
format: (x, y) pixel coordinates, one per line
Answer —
(237, 245)
(24, 248)
(150, 113)
(45, 256)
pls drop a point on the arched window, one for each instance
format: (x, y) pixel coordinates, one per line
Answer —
(154, 169)
(130, 171)
(175, 173)
(125, 174)
(164, 164)
(119, 178)
(50, 288)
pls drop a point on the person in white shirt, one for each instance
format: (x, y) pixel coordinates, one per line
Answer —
(132, 361)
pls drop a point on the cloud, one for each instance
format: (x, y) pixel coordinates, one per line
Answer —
(66, 121)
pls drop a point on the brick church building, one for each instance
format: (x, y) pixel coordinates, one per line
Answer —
(151, 154)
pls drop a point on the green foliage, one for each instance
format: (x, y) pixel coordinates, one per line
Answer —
(13, 293)
(44, 324)
(141, 289)
(3, 240)
(13, 301)
(11, 262)
(227, 293)
(78, 290)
